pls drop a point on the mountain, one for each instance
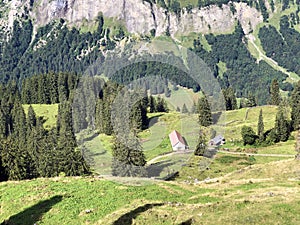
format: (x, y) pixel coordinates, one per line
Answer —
(232, 37)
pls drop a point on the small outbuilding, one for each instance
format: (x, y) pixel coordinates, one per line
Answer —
(177, 141)
(217, 141)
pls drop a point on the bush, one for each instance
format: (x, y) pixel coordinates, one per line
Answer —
(249, 136)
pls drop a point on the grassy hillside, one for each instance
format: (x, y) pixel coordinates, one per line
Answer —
(48, 112)
(258, 194)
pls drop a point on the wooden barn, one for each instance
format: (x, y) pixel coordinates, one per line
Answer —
(177, 141)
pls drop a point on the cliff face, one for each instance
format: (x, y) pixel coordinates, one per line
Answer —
(139, 16)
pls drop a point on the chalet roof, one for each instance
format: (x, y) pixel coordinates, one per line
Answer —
(217, 139)
(176, 137)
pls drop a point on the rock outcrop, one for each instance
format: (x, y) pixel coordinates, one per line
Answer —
(140, 16)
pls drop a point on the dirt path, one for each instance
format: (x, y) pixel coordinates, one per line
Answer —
(254, 154)
(151, 161)
(226, 152)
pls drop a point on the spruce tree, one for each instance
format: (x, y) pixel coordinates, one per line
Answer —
(251, 101)
(184, 109)
(152, 104)
(201, 145)
(128, 157)
(205, 115)
(13, 159)
(161, 105)
(230, 99)
(275, 94)
(260, 127)
(295, 107)
(70, 159)
(282, 126)
(139, 119)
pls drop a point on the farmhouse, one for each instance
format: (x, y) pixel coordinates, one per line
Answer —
(177, 141)
(216, 141)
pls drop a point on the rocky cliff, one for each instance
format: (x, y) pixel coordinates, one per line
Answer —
(139, 16)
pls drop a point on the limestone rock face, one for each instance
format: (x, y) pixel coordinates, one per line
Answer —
(139, 16)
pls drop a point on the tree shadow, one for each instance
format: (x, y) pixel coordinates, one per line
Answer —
(188, 222)
(216, 116)
(127, 219)
(155, 169)
(210, 153)
(153, 120)
(34, 213)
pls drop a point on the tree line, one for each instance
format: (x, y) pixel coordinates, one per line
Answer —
(27, 149)
(284, 123)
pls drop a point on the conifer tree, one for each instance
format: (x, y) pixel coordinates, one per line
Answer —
(70, 159)
(184, 109)
(251, 101)
(161, 105)
(260, 127)
(205, 115)
(152, 104)
(139, 119)
(201, 145)
(128, 157)
(295, 107)
(282, 127)
(230, 99)
(13, 159)
(275, 94)
(194, 107)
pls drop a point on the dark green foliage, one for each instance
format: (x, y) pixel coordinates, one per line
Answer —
(263, 10)
(152, 104)
(103, 108)
(248, 135)
(272, 5)
(49, 88)
(128, 158)
(243, 73)
(27, 150)
(161, 105)
(285, 4)
(14, 49)
(295, 106)
(139, 119)
(184, 109)
(282, 125)
(62, 52)
(271, 136)
(282, 46)
(275, 94)
(157, 74)
(175, 7)
(260, 127)
(70, 159)
(201, 145)
(205, 116)
(230, 99)
(251, 101)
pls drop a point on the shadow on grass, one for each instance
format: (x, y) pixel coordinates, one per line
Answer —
(127, 219)
(153, 120)
(34, 213)
(154, 170)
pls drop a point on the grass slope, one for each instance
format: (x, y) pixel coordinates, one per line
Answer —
(258, 194)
